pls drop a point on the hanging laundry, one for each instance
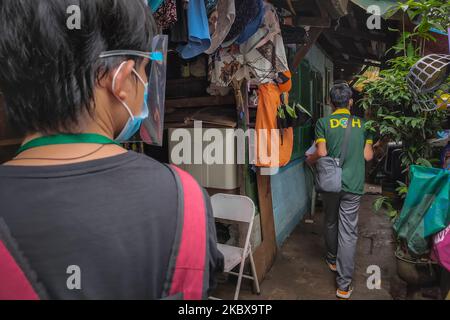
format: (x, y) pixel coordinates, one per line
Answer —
(220, 24)
(253, 26)
(273, 147)
(179, 31)
(284, 81)
(155, 4)
(286, 17)
(166, 16)
(269, 29)
(246, 11)
(199, 39)
(227, 43)
(267, 61)
(268, 58)
(259, 62)
(210, 6)
(224, 65)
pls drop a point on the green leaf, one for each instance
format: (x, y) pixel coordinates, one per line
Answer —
(424, 162)
(404, 7)
(410, 51)
(379, 202)
(392, 213)
(291, 111)
(299, 106)
(401, 184)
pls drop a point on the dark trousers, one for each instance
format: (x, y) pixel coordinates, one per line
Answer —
(341, 233)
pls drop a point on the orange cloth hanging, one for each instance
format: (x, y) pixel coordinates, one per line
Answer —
(266, 122)
(287, 85)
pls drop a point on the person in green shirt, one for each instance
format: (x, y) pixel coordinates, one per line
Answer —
(341, 209)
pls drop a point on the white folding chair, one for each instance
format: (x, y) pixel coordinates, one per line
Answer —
(238, 209)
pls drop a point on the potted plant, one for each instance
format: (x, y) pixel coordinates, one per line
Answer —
(292, 116)
(395, 115)
(281, 118)
(416, 271)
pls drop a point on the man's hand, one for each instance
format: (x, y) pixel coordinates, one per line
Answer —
(311, 159)
(368, 152)
(321, 152)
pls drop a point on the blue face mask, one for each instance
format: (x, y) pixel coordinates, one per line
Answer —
(134, 122)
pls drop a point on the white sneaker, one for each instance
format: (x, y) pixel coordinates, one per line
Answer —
(344, 294)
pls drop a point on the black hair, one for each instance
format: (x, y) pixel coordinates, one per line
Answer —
(341, 94)
(48, 71)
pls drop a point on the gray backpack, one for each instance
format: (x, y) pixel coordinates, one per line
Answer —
(328, 171)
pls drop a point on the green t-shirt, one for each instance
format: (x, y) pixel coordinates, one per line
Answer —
(331, 130)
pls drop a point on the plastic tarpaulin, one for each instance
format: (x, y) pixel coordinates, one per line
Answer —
(427, 208)
(441, 248)
(385, 6)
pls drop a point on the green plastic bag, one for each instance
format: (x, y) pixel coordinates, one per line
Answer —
(426, 210)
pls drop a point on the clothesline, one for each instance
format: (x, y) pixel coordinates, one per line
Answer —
(243, 38)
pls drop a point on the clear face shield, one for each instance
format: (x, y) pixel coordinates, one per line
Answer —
(152, 124)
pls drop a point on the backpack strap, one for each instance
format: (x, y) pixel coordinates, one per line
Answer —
(17, 281)
(188, 263)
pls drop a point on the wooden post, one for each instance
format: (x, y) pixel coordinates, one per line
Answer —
(243, 121)
(265, 254)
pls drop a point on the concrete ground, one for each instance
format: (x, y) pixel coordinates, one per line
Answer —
(300, 272)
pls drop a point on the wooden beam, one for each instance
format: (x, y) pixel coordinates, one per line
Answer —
(317, 22)
(354, 61)
(357, 34)
(353, 55)
(333, 41)
(340, 52)
(355, 26)
(200, 102)
(314, 34)
(361, 49)
(351, 18)
(323, 10)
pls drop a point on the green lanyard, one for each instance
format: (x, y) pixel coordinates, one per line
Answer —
(67, 139)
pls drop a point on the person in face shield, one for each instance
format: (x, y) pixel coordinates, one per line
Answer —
(89, 219)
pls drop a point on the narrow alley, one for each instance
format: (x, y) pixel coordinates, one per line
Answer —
(300, 271)
(237, 153)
